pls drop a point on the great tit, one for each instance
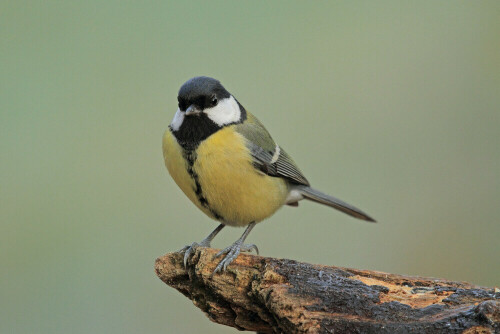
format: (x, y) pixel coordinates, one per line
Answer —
(229, 166)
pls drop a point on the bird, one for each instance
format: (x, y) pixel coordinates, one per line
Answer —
(226, 162)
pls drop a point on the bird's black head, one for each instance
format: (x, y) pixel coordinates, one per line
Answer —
(202, 93)
(205, 106)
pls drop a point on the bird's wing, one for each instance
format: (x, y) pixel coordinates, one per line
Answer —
(268, 157)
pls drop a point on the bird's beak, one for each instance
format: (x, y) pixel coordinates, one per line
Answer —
(192, 110)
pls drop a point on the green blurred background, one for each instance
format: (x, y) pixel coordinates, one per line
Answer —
(393, 107)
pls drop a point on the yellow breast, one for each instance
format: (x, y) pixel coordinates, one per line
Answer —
(231, 186)
(178, 168)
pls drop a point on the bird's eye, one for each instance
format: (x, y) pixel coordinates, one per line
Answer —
(213, 101)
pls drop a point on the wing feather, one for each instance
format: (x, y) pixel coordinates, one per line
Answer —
(263, 150)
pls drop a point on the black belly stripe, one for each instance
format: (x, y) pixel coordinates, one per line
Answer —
(190, 156)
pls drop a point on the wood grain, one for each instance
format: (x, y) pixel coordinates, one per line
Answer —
(269, 295)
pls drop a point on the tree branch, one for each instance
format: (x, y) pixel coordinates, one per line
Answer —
(269, 295)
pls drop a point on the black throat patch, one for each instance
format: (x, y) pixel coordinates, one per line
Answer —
(193, 130)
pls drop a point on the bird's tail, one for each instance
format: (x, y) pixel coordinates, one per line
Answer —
(319, 197)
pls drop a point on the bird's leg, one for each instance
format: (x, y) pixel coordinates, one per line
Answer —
(234, 250)
(204, 243)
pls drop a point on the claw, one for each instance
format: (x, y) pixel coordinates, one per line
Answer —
(204, 243)
(249, 247)
(188, 251)
(232, 253)
(183, 249)
(234, 250)
(191, 249)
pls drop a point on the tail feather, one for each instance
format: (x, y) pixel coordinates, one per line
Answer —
(319, 197)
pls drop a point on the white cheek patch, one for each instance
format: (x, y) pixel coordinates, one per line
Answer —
(177, 121)
(227, 111)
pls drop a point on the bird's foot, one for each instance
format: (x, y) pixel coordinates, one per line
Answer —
(232, 253)
(188, 250)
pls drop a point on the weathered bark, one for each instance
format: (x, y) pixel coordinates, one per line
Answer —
(270, 295)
